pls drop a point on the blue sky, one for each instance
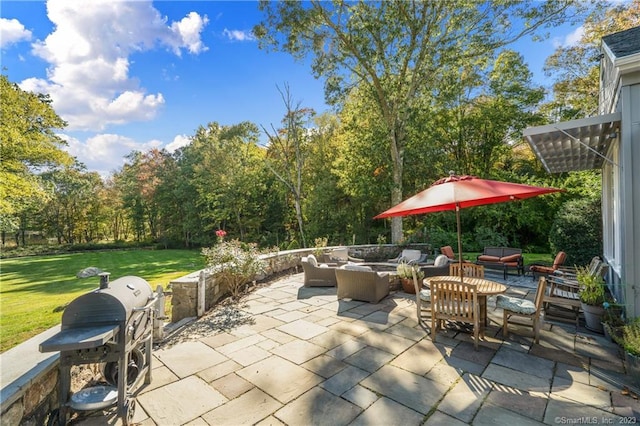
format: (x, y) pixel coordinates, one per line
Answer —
(140, 74)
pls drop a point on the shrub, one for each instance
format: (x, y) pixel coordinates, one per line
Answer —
(631, 338)
(577, 230)
(319, 246)
(487, 237)
(439, 237)
(235, 263)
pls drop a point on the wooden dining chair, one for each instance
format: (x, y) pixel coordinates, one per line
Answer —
(468, 270)
(455, 301)
(423, 298)
(513, 307)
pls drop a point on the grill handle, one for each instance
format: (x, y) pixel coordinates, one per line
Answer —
(149, 305)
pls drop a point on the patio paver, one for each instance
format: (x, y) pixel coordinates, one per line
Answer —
(300, 356)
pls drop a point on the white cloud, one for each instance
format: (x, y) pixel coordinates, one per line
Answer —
(189, 29)
(12, 31)
(238, 35)
(569, 40)
(88, 78)
(106, 152)
(178, 142)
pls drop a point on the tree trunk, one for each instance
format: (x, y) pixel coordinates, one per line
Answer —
(397, 156)
(300, 222)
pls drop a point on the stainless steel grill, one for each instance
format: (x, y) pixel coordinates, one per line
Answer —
(113, 326)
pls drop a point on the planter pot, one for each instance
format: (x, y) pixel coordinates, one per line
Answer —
(407, 285)
(593, 317)
(633, 367)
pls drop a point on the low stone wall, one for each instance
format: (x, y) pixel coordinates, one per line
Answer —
(184, 299)
(29, 379)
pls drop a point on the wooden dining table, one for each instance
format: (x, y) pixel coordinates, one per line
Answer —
(484, 287)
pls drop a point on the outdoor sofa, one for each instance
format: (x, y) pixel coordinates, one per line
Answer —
(502, 258)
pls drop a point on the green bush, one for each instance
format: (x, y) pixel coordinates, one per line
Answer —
(235, 263)
(487, 237)
(439, 237)
(577, 230)
(631, 337)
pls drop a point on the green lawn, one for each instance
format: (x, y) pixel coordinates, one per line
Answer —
(34, 290)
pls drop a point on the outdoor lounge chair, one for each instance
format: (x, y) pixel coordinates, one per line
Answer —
(340, 256)
(515, 307)
(455, 301)
(361, 283)
(562, 297)
(317, 275)
(448, 251)
(412, 257)
(538, 270)
(440, 267)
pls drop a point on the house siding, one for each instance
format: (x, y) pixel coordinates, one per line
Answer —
(630, 195)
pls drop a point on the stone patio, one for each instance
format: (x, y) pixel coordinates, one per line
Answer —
(297, 356)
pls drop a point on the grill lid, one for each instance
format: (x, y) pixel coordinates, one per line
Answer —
(113, 304)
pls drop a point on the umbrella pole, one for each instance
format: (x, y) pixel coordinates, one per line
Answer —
(459, 239)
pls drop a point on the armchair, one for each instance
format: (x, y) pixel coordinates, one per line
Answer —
(440, 267)
(361, 283)
(544, 270)
(317, 275)
(410, 256)
(341, 256)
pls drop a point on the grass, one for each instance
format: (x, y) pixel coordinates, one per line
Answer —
(35, 290)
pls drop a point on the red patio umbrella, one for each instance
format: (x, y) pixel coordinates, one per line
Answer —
(458, 192)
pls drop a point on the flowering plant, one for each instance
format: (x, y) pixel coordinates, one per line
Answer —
(221, 233)
(404, 270)
(235, 263)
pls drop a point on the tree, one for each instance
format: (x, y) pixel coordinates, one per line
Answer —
(397, 49)
(576, 68)
(73, 211)
(28, 143)
(227, 168)
(287, 152)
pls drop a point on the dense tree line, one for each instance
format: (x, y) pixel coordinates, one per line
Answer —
(317, 175)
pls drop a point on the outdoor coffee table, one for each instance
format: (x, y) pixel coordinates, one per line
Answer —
(485, 288)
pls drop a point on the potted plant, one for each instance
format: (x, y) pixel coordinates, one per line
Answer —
(631, 345)
(592, 296)
(405, 273)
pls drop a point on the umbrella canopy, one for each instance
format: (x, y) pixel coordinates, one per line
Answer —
(458, 192)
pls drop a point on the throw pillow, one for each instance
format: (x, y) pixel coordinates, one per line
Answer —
(312, 260)
(441, 260)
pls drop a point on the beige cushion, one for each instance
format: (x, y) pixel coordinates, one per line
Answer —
(312, 260)
(487, 258)
(354, 267)
(512, 258)
(410, 255)
(441, 260)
